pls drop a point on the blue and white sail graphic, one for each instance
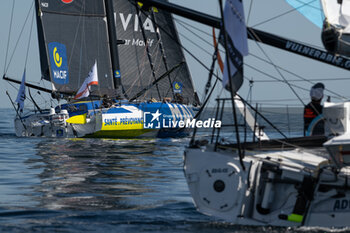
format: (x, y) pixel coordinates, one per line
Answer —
(310, 9)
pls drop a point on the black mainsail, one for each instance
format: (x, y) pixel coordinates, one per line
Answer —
(72, 35)
(140, 66)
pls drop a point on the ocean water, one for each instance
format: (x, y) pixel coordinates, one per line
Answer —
(96, 185)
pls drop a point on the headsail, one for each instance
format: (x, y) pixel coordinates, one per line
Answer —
(72, 35)
(134, 61)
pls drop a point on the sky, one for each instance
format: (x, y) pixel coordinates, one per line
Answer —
(291, 25)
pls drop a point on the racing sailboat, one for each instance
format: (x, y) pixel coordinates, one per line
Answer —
(281, 188)
(287, 187)
(142, 79)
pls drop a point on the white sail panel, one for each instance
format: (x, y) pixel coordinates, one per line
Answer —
(337, 13)
(332, 11)
(345, 16)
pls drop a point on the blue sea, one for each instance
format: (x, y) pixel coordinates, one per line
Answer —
(97, 185)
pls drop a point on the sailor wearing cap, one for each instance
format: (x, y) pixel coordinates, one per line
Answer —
(314, 108)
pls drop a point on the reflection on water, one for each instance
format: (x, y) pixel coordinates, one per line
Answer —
(88, 174)
(61, 185)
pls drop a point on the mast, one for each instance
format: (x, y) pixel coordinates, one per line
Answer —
(113, 43)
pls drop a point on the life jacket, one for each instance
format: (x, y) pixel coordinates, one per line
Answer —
(311, 111)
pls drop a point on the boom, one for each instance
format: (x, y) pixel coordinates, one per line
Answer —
(254, 34)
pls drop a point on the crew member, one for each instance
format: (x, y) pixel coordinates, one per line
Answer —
(313, 109)
(107, 102)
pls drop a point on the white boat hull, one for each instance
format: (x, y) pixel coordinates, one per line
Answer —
(119, 121)
(287, 188)
(52, 125)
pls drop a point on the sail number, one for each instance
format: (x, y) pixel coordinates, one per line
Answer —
(343, 204)
(219, 170)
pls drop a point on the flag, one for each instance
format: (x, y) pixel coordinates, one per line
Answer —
(236, 43)
(92, 79)
(21, 96)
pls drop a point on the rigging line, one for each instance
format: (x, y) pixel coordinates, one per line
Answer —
(272, 105)
(280, 80)
(261, 115)
(189, 25)
(285, 13)
(257, 39)
(311, 6)
(208, 43)
(250, 9)
(76, 35)
(81, 46)
(29, 41)
(198, 46)
(11, 84)
(198, 115)
(19, 37)
(9, 36)
(150, 76)
(139, 69)
(199, 37)
(86, 60)
(276, 100)
(298, 80)
(186, 50)
(157, 57)
(296, 75)
(232, 94)
(139, 14)
(269, 75)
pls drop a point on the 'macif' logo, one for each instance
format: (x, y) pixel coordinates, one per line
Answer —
(58, 60)
(56, 57)
(177, 86)
(67, 1)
